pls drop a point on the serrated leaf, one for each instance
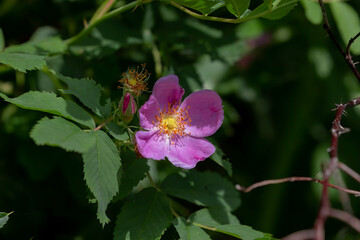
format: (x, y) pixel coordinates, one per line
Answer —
(213, 217)
(237, 7)
(243, 232)
(89, 93)
(280, 8)
(49, 102)
(22, 62)
(205, 189)
(204, 6)
(348, 23)
(101, 165)
(312, 11)
(134, 169)
(144, 217)
(117, 131)
(62, 133)
(4, 217)
(188, 231)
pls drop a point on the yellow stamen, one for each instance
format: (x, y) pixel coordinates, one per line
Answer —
(172, 121)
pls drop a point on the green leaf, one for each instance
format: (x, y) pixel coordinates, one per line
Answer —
(101, 165)
(50, 45)
(145, 217)
(22, 62)
(237, 7)
(4, 217)
(273, 9)
(188, 231)
(312, 11)
(213, 217)
(348, 23)
(134, 169)
(243, 232)
(49, 102)
(2, 40)
(89, 93)
(205, 189)
(204, 6)
(117, 131)
(62, 133)
(218, 157)
(280, 8)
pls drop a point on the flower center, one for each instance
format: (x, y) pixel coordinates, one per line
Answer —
(132, 82)
(172, 121)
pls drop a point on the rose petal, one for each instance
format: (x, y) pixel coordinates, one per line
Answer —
(151, 144)
(167, 90)
(205, 111)
(148, 112)
(188, 151)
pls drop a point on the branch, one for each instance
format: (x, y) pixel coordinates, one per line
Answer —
(104, 123)
(294, 179)
(307, 234)
(106, 16)
(349, 171)
(351, 41)
(217, 19)
(346, 218)
(347, 57)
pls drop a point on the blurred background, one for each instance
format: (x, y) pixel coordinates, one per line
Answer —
(279, 81)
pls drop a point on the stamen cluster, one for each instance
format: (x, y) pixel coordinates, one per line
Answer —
(172, 121)
(135, 81)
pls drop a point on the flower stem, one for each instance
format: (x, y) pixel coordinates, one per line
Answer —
(152, 181)
(104, 123)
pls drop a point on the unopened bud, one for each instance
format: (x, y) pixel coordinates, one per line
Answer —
(127, 107)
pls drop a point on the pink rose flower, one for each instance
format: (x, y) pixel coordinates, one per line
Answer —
(176, 130)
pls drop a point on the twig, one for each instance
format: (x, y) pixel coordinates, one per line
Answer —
(346, 218)
(103, 123)
(349, 171)
(305, 234)
(295, 179)
(351, 41)
(346, 56)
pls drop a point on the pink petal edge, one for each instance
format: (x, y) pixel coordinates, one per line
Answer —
(167, 90)
(206, 112)
(148, 112)
(188, 151)
(151, 145)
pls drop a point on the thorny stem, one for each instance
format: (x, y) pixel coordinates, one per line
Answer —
(346, 55)
(106, 16)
